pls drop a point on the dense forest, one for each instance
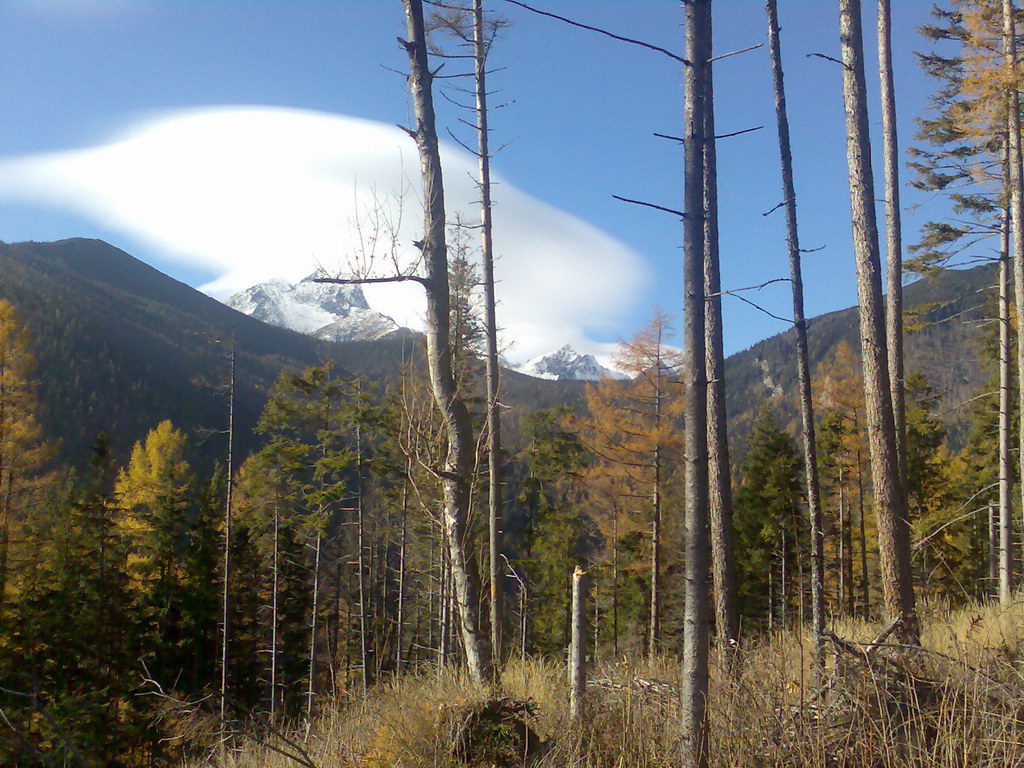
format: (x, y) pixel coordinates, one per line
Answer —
(227, 544)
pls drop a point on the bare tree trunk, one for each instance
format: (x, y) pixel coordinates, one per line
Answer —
(335, 635)
(458, 429)
(783, 591)
(719, 480)
(847, 563)
(802, 355)
(1017, 212)
(993, 552)
(697, 26)
(364, 649)
(865, 583)
(226, 586)
(522, 620)
(893, 239)
(615, 582)
(893, 528)
(480, 50)
(577, 671)
(315, 608)
(1005, 510)
(273, 612)
(843, 550)
(402, 554)
(443, 606)
(654, 628)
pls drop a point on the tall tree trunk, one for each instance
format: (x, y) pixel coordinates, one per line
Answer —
(275, 590)
(654, 627)
(865, 583)
(993, 552)
(458, 429)
(654, 630)
(480, 51)
(1005, 505)
(893, 240)
(802, 355)
(848, 538)
(783, 583)
(1017, 211)
(402, 569)
(719, 479)
(522, 620)
(577, 673)
(697, 26)
(336, 626)
(314, 610)
(364, 643)
(843, 549)
(443, 619)
(893, 528)
(615, 582)
(225, 639)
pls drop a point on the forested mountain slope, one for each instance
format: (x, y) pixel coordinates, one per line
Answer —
(942, 342)
(121, 346)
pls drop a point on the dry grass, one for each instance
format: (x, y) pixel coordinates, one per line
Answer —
(959, 702)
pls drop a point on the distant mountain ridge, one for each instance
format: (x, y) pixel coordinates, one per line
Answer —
(943, 343)
(341, 313)
(323, 310)
(566, 363)
(121, 346)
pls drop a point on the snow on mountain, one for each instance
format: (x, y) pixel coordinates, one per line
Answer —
(325, 310)
(567, 363)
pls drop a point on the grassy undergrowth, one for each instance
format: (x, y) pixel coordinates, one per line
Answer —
(957, 702)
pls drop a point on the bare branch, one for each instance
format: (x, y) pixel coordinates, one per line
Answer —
(680, 214)
(461, 143)
(370, 280)
(679, 139)
(738, 133)
(734, 291)
(736, 53)
(759, 308)
(827, 58)
(605, 32)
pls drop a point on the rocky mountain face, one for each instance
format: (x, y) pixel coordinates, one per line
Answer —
(566, 363)
(323, 310)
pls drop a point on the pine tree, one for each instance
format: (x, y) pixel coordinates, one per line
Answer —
(556, 528)
(23, 454)
(153, 496)
(768, 526)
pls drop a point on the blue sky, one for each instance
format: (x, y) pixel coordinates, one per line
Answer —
(79, 74)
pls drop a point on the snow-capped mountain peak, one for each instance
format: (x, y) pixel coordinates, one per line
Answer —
(325, 310)
(566, 363)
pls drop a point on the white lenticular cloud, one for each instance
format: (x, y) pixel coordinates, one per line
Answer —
(254, 193)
